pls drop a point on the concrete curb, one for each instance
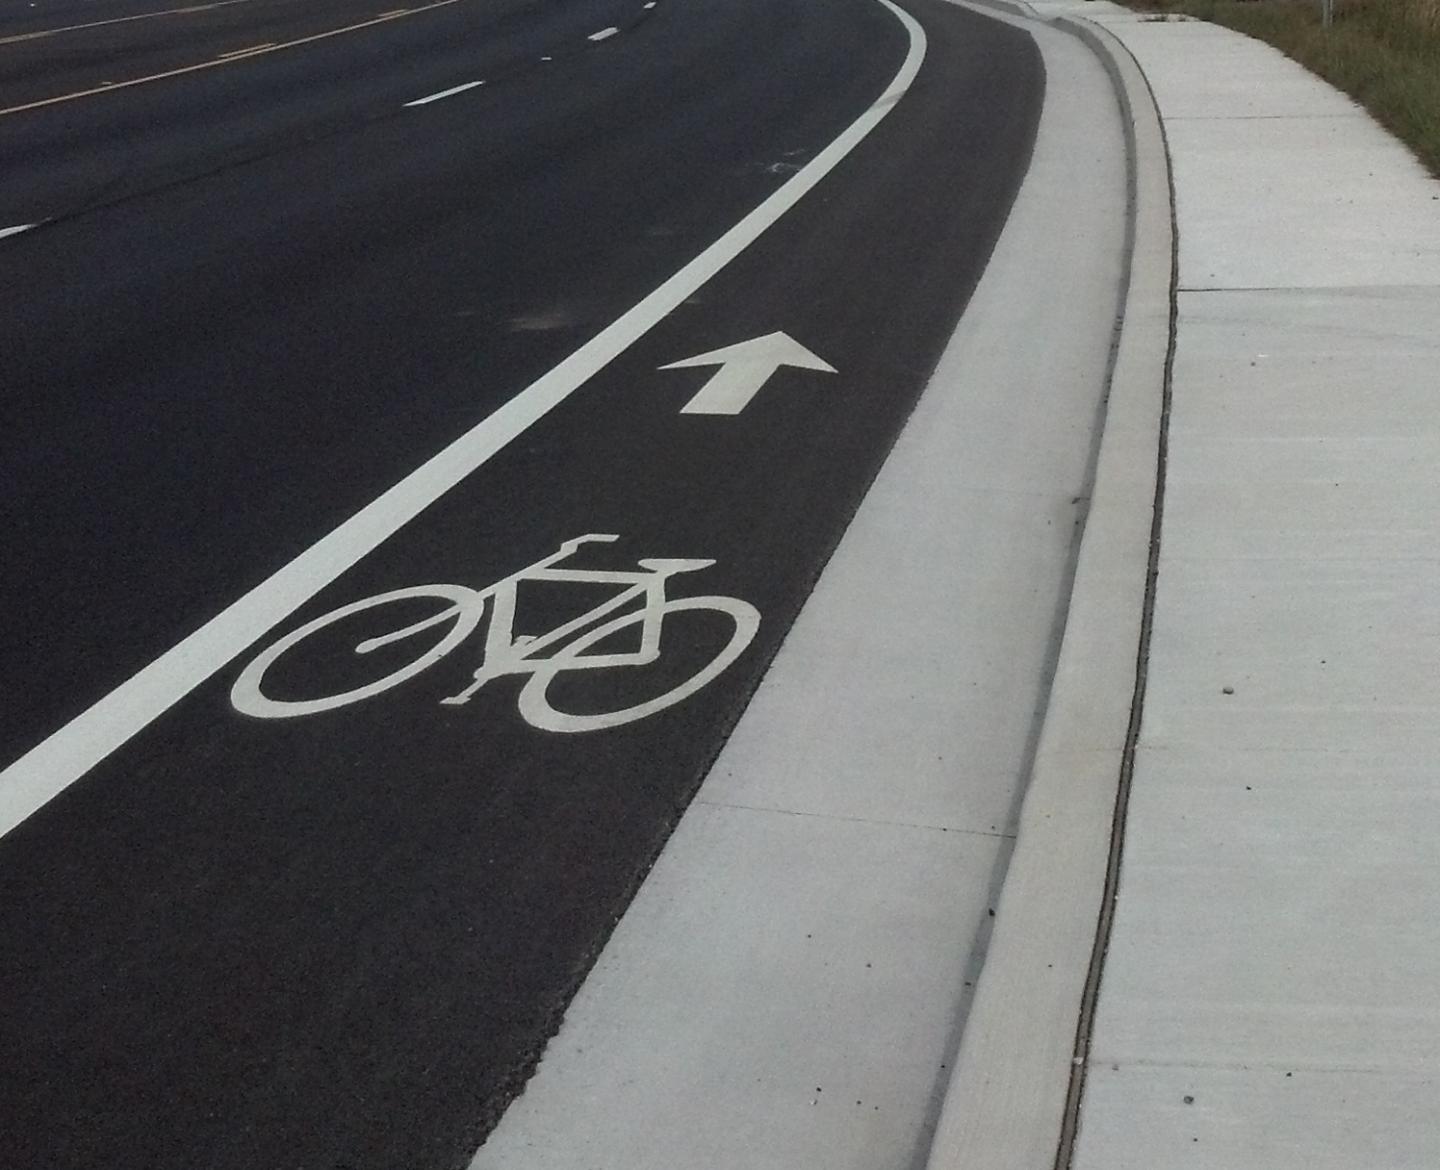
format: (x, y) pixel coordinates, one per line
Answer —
(1013, 1098)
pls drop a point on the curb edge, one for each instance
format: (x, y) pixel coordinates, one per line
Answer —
(1013, 1098)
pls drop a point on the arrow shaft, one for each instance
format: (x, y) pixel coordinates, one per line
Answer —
(730, 388)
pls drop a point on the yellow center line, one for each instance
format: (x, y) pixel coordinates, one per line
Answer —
(50, 32)
(245, 55)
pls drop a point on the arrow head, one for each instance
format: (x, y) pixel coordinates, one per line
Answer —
(773, 350)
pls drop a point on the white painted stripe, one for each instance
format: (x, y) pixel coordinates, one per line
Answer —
(50, 32)
(16, 230)
(602, 34)
(444, 93)
(57, 762)
(651, 4)
(107, 86)
(246, 51)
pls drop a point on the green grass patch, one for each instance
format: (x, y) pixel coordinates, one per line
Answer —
(1383, 53)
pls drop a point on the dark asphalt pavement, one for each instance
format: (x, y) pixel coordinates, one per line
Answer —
(268, 291)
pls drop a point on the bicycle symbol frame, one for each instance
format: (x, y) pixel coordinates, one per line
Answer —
(543, 657)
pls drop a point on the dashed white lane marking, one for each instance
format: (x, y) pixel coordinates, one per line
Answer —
(602, 34)
(16, 230)
(444, 93)
(650, 5)
(55, 763)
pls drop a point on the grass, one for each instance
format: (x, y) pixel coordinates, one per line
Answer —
(1383, 53)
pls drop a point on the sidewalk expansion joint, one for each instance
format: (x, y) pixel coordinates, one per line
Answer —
(1266, 117)
(1311, 289)
(1287, 1067)
(790, 812)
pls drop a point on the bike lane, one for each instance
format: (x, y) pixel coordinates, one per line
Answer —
(344, 937)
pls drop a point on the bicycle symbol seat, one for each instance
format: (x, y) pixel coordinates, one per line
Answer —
(571, 646)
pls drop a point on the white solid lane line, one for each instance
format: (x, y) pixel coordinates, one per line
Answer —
(50, 32)
(16, 230)
(444, 93)
(57, 762)
(246, 51)
(602, 34)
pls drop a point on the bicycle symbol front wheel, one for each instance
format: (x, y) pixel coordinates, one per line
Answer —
(535, 703)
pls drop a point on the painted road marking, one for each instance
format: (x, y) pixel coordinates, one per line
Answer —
(603, 34)
(111, 87)
(744, 368)
(16, 230)
(55, 763)
(542, 656)
(246, 52)
(50, 32)
(444, 93)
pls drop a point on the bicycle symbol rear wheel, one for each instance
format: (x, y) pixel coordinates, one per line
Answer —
(465, 610)
(535, 704)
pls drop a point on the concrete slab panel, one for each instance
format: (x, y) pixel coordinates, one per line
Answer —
(1338, 519)
(959, 665)
(1146, 1117)
(1310, 649)
(844, 937)
(1204, 74)
(1277, 908)
(1306, 364)
(1306, 423)
(1312, 203)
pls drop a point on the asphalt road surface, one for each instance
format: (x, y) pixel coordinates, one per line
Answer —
(265, 901)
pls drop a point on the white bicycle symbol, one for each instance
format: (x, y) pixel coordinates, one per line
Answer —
(505, 653)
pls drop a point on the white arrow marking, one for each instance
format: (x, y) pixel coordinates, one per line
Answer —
(744, 368)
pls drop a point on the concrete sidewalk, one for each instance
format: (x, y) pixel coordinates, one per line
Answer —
(1269, 995)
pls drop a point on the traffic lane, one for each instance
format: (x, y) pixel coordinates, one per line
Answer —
(67, 51)
(345, 938)
(67, 158)
(204, 383)
(61, 14)
(53, 16)
(45, 68)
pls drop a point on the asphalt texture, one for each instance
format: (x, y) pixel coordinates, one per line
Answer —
(264, 293)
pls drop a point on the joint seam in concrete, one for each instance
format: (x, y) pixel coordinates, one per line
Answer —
(1013, 1100)
(1075, 1096)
